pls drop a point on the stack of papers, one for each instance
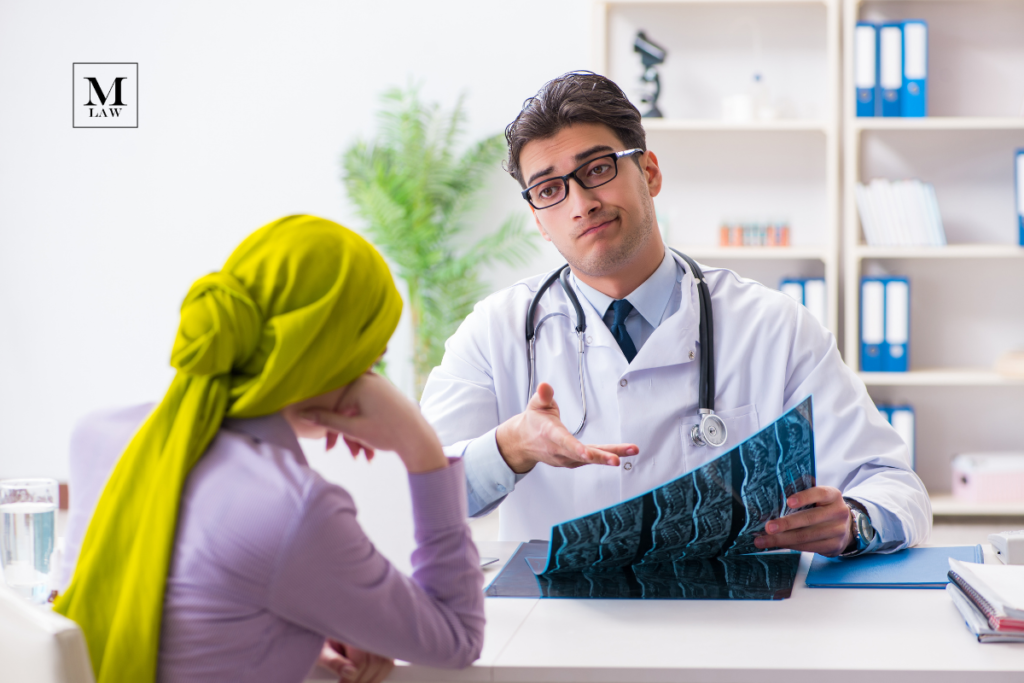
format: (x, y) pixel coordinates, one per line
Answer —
(990, 599)
(902, 213)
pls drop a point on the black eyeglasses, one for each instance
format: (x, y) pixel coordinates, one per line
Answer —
(596, 172)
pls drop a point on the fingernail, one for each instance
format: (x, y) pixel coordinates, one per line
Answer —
(309, 416)
(349, 672)
(632, 451)
(771, 528)
(758, 542)
(792, 502)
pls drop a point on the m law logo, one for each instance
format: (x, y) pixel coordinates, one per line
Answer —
(106, 95)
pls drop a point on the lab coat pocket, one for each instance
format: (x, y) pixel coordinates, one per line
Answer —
(741, 423)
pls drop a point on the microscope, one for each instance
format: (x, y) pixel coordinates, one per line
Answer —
(651, 55)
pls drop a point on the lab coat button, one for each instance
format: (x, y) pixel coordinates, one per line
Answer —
(590, 340)
(628, 466)
(623, 382)
(691, 355)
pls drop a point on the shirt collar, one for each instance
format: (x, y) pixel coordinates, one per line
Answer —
(273, 429)
(650, 299)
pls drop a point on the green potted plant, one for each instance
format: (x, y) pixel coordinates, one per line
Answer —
(413, 186)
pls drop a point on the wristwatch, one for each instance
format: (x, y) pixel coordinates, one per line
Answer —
(860, 526)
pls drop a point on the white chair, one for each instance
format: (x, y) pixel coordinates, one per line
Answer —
(38, 645)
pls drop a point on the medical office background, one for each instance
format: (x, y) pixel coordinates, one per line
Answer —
(245, 110)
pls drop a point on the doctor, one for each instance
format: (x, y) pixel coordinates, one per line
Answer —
(579, 151)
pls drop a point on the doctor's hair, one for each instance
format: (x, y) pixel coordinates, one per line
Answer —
(574, 97)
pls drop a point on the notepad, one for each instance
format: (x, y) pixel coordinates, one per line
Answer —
(910, 568)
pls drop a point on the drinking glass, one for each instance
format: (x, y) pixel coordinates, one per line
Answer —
(28, 511)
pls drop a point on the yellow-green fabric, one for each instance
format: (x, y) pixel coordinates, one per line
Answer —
(302, 307)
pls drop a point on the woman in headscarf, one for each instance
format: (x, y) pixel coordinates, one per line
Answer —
(214, 552)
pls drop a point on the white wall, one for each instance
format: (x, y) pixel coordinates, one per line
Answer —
(245, 108)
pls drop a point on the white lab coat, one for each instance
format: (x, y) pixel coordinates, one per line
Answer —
(770, 354)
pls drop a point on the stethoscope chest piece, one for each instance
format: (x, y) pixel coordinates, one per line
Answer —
(710, 432)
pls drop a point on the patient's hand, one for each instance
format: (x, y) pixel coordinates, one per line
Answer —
(352, 664)
(372, 415)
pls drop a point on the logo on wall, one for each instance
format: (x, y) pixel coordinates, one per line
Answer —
(106, 95)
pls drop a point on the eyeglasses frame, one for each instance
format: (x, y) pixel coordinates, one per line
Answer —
(614, 156)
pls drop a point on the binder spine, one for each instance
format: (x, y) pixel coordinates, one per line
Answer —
(872, 324)
(897, 325)
(902, 420)
(1019, 178)
(914, 93)
(865, 65)
(890, 67)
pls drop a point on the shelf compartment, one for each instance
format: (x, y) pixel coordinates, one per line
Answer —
(939, 123)
(755, 253)
(951, 377)
(714, 125)
(952, 251)
(945, 505)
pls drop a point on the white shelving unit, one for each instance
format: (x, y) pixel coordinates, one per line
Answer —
(785, 168)
(966, 302)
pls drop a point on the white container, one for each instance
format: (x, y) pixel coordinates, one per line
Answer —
(989, 477)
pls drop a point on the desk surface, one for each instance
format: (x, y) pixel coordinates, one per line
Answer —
(818, 634)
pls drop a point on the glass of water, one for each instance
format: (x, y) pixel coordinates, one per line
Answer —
(28, 512)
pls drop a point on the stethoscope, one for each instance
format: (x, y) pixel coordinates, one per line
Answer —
(711, 430)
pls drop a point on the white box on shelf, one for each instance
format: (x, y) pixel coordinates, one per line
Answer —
(993, 477)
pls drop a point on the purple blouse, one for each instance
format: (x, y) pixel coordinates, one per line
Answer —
(269, 560)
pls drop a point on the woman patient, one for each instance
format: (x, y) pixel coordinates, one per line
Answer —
(214, 552)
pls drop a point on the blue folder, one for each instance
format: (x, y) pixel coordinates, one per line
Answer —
(910, 568)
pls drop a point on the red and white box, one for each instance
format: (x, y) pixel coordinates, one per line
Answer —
(989, 477)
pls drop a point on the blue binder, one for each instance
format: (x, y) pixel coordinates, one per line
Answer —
(910, 568)
(1019, 177)
(884, 324)
(865, 67)
(914, 95)
(872, 323)
(903, 420)
(890, 67)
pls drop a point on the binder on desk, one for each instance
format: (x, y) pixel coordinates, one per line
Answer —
(890, 68)
(914, 94)
(1019, 177)
(909, 568)
(865, 67)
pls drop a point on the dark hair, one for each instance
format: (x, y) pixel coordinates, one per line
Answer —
(575, 97)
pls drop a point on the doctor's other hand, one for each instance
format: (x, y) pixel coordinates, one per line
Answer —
(371, 414)
(824, 529)
(538, 435)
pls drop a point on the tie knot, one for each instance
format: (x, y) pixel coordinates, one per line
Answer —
(621, 308)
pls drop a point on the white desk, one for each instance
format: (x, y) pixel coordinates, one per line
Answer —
(819, 634)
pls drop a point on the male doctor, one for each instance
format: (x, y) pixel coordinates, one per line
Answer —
(578, 149)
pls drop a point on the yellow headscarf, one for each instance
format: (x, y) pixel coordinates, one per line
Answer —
(302, 307)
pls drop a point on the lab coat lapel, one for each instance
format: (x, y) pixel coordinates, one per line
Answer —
(676, 337)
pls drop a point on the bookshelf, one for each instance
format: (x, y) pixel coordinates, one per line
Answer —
(783, 168)
(965, 302)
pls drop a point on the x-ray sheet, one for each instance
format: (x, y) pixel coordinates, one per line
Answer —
(765, 576)
(714, 510)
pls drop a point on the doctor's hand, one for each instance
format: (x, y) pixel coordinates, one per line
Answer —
(538, 435)
(824, 529)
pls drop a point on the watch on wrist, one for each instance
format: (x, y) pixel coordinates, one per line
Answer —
(860, 526)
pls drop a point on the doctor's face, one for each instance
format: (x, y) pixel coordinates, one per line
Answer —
(599, 231)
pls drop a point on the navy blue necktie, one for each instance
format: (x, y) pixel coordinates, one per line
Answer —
(622, 308)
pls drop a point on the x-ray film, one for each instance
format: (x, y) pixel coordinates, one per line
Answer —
(701, 524)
